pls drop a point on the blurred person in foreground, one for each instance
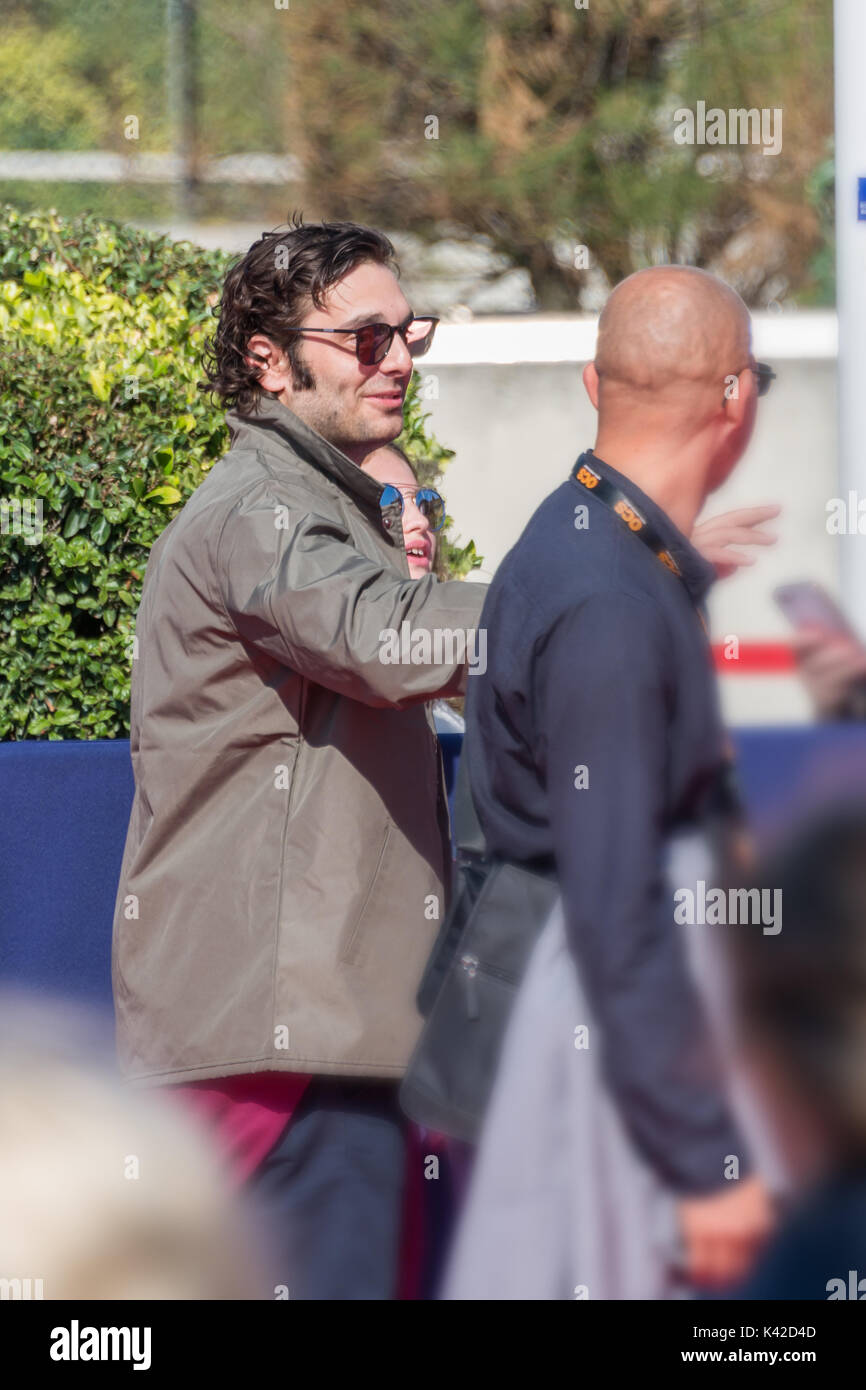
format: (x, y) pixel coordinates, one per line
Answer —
(107, 1193)
(595, 742)
(288, 853)
(802, 997)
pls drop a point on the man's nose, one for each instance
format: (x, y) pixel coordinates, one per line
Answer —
(398, 358)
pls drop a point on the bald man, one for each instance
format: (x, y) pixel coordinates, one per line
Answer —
(595, 733)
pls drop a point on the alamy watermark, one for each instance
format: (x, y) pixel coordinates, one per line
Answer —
(751, 907)
(439, 646)
(77, 1343)
(22, 517)
(715, 126)
(846, 516)
(853, 1288)
(20, 1290)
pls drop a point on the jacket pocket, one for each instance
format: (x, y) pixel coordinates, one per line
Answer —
(351, 946)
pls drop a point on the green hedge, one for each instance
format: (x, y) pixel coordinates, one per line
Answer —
(101, 424)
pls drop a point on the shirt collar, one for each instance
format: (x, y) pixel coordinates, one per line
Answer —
(282, 427)
(697, 573)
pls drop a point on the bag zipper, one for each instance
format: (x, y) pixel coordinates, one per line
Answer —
(470, 967)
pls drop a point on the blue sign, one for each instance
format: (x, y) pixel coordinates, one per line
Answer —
(861, 200)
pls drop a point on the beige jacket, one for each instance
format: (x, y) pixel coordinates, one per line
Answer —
(287, 856)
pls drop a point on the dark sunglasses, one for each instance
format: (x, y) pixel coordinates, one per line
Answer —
(373, 341)
(764, 375)
(428, 502)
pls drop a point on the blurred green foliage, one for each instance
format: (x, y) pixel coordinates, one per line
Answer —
(821, 194)
(553, 123)
(94, 62)
(154, 204)
(544, 127)
(46, 102)
(101, 421)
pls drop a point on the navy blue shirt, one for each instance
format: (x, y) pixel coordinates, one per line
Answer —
(595, 736)
(820, 1252)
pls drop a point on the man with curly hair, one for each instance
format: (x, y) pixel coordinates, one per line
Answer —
(287, 862)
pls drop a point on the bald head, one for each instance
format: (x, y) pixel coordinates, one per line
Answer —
(669, 328)
(671, 382)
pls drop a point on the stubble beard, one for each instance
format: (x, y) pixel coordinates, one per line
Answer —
(324, 416)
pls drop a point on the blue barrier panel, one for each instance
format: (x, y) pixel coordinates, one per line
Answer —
(65, 809)
(63, 819)
(788, 773)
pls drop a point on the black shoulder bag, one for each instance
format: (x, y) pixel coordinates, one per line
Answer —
(470, 983)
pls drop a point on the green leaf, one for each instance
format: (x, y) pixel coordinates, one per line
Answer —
(98, 383)
(100, 531)
(164, 495)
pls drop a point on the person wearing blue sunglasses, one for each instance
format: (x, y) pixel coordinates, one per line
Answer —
(423, 508)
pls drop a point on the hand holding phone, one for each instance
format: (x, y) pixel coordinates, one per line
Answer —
(808, 605)
(830, 656)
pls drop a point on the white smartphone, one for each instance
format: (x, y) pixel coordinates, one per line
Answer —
(806, 604)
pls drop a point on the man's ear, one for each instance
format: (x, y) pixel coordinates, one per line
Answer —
(269, 362)
(739, 402)
(590, 381)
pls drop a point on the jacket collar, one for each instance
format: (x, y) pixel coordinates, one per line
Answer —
(279, 430)
(697, 573)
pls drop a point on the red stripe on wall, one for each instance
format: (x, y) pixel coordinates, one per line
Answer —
(754, 658)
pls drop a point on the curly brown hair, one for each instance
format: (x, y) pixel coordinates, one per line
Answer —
(271, 288)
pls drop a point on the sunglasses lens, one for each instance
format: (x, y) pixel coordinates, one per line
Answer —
(432, 506)
(766, 377)
(390, 495)
(419, 336)
(373, 342)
